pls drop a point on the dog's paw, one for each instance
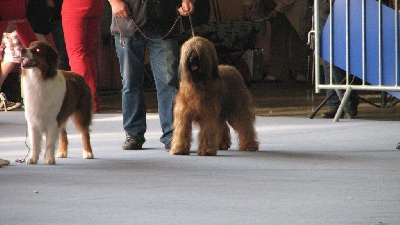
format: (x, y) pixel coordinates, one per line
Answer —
(224, 146)
(207, 152)
(31, 161)
(88, 155)
(62, 155)
(50, 161)
(174, 151)
(251, 148)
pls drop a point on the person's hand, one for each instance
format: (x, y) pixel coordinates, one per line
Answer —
(186, 8)
(119, 9)
(12, 25)
(273, 13)
(51, 3)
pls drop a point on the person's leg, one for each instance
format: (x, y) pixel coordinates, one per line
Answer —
(10, 52)
(79, 32)
(10, 55)
(92, 35)
(334, 101)
(298, 55)
(164, 64)
(58, 36)
(131, 60)
(339, 76)
(279, 48)
(74, 33)
(6, 68)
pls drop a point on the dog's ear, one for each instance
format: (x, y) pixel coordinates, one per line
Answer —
(52, 57)
(214, 62)
(51, 60)
(215, 73)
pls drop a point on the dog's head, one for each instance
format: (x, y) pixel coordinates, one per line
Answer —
(199, 61)
(40, 55)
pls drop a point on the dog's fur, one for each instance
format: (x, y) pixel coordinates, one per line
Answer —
(211, 96)
(51, 96)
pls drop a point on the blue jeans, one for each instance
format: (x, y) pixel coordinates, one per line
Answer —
(338, 77)
(164, 63)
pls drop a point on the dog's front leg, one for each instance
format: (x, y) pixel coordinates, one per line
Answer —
(208, 138)
(51, 140)
(36, 142)
(182, 137)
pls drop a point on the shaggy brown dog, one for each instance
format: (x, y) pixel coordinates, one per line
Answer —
(51, 96)
(211, 96)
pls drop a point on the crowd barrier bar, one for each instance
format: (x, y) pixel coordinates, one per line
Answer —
(314, 38)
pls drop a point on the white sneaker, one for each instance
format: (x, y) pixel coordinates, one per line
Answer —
(13, 105)
(3, 101)
(6, 105)
(4, 162)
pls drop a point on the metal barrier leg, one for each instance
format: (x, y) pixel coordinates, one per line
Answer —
(343, 105)
(312, 115)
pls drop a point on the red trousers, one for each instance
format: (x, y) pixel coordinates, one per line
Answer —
(81, 25)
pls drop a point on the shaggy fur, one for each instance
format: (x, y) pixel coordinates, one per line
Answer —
(51, 96)
(211, 96)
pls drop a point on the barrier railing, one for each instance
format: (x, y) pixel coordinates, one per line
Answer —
(362, 38)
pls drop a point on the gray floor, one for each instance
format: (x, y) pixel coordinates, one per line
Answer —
(306, 172)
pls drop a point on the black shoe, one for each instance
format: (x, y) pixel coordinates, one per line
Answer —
(353, 112)
(398, 146)
(133, 143)
(167, 146)
(330, 114)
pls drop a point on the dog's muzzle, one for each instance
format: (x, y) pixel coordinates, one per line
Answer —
(193, 64)
(26, 61)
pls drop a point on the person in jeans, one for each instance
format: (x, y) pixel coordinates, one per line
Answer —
(150, 24)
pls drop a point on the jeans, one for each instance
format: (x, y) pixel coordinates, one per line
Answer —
(164, 64)
(338, 77)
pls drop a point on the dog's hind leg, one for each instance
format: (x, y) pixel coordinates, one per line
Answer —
(87, 148)
(82, 123)
(225, 136)
(63, 150)
(244, 126)
(36, 142)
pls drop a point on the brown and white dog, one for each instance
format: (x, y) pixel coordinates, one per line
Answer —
(51, 96)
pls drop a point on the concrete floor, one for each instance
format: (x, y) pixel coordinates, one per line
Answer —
(308, 171)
